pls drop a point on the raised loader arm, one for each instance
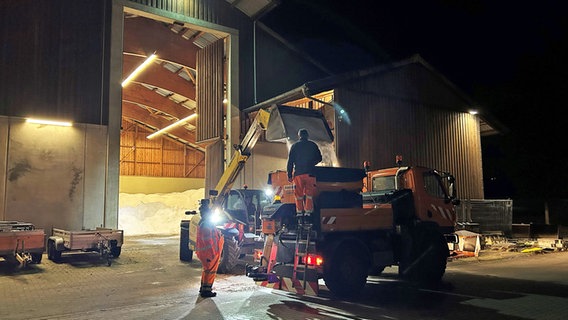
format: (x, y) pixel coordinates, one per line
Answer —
(241, 155)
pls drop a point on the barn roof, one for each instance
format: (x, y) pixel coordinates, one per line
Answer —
(489, 125)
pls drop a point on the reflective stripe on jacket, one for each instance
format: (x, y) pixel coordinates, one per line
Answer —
(208, 241)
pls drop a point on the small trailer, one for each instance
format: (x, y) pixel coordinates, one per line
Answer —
(107, 242)
(21, 242)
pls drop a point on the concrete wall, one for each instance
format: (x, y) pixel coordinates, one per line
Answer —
(147, 185)
(53, 176)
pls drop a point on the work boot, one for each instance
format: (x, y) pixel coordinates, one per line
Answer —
(308, 218)
(300, 217)
(207, 294)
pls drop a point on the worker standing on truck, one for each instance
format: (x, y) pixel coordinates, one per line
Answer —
(302, 159)
(208, 249)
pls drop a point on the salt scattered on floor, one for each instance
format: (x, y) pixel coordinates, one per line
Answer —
(159, 213)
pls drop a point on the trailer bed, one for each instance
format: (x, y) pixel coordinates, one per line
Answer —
(21, 242)
(108, 242)
(87, 239)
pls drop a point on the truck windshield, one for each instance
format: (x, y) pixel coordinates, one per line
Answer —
(383, 184)
(433, 185)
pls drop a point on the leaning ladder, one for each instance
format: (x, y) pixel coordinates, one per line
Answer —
(302, 249)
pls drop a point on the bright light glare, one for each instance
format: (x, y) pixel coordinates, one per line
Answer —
(216, 216)
(50, 122)
(343, 115)
(139, 69)
(269, 192)
(473, 112)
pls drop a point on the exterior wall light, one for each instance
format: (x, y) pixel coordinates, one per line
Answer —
(50, 122)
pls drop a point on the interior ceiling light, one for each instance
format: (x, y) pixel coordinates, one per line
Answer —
(171, 126)
(473, 112)
(139, 69)
(50, 122)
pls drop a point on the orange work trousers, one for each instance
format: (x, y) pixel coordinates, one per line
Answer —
(210, 259)
(304, 191)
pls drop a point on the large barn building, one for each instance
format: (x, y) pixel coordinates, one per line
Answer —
(210, 65)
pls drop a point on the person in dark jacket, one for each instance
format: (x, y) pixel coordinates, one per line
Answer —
(302, 159)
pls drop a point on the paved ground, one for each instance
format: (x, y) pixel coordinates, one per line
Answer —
(148, 271)
(147, 281)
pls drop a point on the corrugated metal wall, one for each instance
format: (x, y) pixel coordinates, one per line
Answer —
(53, 59)
(209, 92)
(206, 10)
(214, 167)
(408, 113)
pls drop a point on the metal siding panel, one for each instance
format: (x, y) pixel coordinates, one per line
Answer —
(210, 92)
(58, 72)
(214, 167)
(385, 124)
(4, 132)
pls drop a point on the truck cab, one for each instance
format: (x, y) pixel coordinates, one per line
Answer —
(433, 192)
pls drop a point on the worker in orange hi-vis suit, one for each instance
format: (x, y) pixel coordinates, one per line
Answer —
(208, 249)
(302, 159)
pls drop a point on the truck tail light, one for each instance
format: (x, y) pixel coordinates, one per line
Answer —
(257, 254)
(314, 260)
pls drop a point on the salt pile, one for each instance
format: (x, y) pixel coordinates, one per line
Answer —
(159, 213)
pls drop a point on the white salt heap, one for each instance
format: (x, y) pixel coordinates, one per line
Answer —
(159, 213)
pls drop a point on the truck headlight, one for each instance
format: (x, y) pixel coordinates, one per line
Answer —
(216, 216)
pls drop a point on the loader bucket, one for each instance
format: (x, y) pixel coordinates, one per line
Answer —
(285, 122)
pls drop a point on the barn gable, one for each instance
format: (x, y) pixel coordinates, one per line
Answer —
(405, 108)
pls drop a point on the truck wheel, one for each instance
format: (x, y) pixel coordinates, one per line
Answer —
(376, 271)
(229, 255)
(52, 253)
(36, 257)
(429, 254)
(345, 269)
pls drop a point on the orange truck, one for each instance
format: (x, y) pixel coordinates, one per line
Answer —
(364, 221)
(21, 242)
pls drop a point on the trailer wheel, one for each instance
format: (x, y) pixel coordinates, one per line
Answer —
(115, 251)
(429, 255)
(36, 258)
(345, 269)
(229, 255)
(52, 253)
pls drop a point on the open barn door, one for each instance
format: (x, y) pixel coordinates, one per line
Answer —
(210, 109)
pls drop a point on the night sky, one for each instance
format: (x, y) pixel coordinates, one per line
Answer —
(509, 56)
